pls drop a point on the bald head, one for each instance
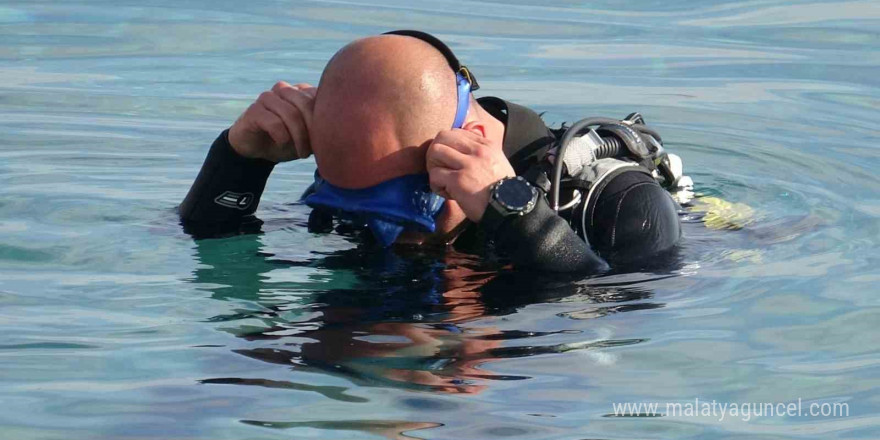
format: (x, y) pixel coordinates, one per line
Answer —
(380, 101)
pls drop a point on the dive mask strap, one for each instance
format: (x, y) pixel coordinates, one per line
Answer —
(464, 98)
(456, 65)
(464, 79)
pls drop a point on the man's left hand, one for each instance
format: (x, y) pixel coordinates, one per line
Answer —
(462, 166)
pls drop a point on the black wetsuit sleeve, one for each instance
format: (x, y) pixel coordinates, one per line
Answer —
(227, 189)
(543, 241)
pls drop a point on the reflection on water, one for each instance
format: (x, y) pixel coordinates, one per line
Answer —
(117, 325)
(397, 320)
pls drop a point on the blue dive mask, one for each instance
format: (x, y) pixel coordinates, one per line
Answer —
(389, 208)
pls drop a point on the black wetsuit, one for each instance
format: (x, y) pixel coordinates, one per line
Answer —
(637, 217)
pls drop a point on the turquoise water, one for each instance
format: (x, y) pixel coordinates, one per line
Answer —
(117, 325)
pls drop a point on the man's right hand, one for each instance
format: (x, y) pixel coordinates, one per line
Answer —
(276, 126)
(462, 166)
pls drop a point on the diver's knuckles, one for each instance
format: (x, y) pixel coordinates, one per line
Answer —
(266, 97)
(296, 97)
(458, 179)
(442, 134)
(481, 153)
(290, 119)
(446, 179)
(445, 151)
(437, 151)
(436, 174)
(476, 146)
(260, 115)
(448, 146)
(274, 122)
(292, 112)
(253, 112)
(303, 134)
(302, 147)
(482, 146)
(297, 138)
(281, 85)
(450, 137)
(467, 135)
(290, 95)
(311, 92)
(278, 131)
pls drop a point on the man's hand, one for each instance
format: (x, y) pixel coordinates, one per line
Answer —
(276, 126)
(462, 165)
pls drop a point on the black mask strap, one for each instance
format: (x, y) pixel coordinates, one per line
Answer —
(456, 66)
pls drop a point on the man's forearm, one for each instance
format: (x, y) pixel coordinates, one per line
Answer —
(227, 188)
(543, 241)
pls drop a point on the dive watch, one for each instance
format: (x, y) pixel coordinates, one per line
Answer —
(511, 196)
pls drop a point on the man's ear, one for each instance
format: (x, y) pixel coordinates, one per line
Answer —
(475, 127)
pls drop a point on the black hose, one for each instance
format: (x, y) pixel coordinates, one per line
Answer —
(649, 131)
(569, 134)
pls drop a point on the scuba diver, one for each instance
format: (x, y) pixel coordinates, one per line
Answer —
(407, 156)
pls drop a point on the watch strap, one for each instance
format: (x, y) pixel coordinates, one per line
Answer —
(492, 217)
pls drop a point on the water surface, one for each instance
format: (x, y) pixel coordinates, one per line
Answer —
(118, 325)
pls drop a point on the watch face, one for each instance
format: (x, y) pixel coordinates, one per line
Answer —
(516, 194)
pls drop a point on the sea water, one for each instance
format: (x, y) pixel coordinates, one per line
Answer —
(117, 325)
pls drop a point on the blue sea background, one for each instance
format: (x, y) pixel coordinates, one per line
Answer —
(117, 325)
